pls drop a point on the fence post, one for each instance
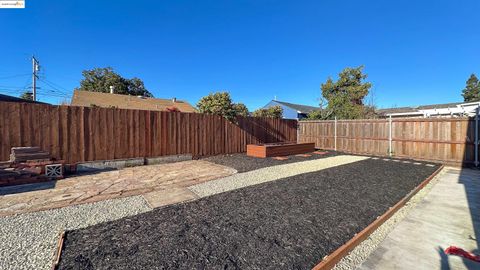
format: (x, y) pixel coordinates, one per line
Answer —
(477, 111)
(390, 136)
(298, 131)
(335, 134)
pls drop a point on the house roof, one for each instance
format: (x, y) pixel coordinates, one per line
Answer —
(87, 98)
(417, 108)
(7, 98)
(298, 107)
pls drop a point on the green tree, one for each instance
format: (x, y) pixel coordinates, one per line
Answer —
(241, 109)
(345, 97)
(100, 80)
(27, 95)
(272, 112)
(370, 111)
(315, 115)
(472, 89)
(219, 103)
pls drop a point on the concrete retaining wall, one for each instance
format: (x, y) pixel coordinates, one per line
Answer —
(102, 165)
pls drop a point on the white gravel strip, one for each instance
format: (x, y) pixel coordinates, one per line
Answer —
(28, 241)
(268, 174)
(360, 253)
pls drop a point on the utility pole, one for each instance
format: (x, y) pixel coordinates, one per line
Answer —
(390, 150)
(335, 134)
(35, 69)
(477, 114)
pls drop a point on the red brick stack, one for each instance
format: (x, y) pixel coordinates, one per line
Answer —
(26, 165)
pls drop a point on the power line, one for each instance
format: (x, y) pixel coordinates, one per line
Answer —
(53, 86)
(11, 91)
(45, 80)
(52, 89)
(14, 76)
(11, 87)
(54, 95)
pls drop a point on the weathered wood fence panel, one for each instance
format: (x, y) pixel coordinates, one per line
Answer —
(449, 140)
(77, 134)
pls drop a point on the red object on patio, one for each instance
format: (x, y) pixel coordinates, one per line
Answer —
(453, 250)
(320, 152)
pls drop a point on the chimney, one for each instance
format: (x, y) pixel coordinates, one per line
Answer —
(112, 89)
(174, 99)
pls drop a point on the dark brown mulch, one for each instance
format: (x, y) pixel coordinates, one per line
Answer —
(244, 163)
(291, 223)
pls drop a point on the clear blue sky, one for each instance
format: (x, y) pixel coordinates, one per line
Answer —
(415, 52)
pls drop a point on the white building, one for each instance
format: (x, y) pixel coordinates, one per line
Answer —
(459, 109)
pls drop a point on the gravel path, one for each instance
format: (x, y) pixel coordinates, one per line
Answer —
(291, 223)
(268, 174)
(244, 163)
(29, 240)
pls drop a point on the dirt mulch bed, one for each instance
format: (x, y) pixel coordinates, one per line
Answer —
(291, 223)
(244, 163)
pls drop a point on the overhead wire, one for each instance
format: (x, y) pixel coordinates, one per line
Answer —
(53, 89)
(14, 76)
(54, 86)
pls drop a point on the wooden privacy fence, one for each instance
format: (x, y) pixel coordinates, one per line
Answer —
(450, 140)
(77, 134)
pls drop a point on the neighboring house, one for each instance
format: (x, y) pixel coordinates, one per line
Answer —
(434, 110)
(6, 98)
(107, 100)
(291, 110)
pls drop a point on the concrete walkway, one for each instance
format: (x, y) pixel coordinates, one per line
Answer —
(448, 215)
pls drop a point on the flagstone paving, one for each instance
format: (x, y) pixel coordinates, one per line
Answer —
(154, 179)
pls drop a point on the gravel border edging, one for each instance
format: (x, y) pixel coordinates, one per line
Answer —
(363, 250)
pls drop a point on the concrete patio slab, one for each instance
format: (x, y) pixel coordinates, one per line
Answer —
(448, 215)
(169, 196)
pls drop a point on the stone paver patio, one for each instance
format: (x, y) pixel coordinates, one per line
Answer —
(160, 184)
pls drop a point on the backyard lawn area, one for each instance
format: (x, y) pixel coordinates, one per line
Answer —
(270, 215)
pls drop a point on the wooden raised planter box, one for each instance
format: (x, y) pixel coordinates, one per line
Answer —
(279, 149)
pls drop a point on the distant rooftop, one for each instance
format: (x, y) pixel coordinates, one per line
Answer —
(457, 109)
(299, 107)
(87, 98)
(417, 108)
(7, 98)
